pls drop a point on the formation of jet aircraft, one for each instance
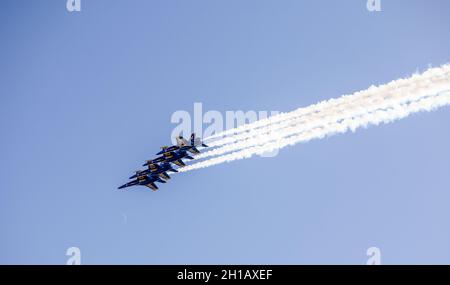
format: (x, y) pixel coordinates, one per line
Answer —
(157, 169)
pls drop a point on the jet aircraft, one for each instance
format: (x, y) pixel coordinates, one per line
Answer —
(183, 144)
(174, 157)
(145, 180)
(158, 168)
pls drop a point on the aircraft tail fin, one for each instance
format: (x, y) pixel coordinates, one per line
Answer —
(197, 141)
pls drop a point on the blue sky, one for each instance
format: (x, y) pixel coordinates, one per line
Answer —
(86, 98)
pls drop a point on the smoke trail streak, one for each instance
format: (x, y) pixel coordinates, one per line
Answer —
(389, 94)
(377, 117)
(262, 126)
(390, 103)
(297, 126)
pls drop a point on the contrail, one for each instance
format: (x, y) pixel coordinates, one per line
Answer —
(395, 92)
(324, 108)
(341, 126)
(383, 104)
(241, 132)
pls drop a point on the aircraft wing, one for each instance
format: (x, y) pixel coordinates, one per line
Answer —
(164, 175)
(191, 149)
(194, 150)
(179, 162)
(152, 186)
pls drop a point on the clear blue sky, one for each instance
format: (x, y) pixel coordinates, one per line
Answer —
(86, 98)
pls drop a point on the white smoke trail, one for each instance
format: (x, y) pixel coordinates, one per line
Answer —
(266, 125)
(387, 115)
(385, 104)
(395, 92)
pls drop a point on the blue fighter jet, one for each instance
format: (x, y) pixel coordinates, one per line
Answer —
(145, 180)
(183, 144)
(174, 157)
(156, 169)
